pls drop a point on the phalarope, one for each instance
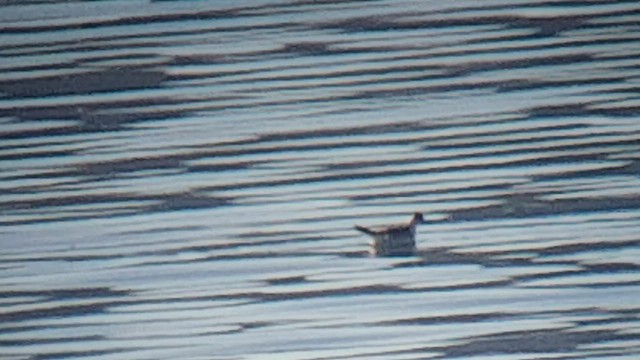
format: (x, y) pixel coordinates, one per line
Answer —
(394, 240)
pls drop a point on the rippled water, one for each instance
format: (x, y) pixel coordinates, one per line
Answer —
(180, 180)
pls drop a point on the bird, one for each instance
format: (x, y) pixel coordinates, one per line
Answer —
(394, 240)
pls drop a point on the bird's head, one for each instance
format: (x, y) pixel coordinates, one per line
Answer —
(417, 218)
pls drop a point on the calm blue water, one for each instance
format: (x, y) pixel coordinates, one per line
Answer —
(180, 180)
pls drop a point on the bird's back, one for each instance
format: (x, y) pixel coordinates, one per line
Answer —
(397, 240)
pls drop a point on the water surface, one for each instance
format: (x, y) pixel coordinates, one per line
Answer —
(180, 179)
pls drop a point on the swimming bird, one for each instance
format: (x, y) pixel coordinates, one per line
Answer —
(394, 240)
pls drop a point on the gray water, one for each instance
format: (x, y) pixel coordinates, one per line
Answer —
(180, 180)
